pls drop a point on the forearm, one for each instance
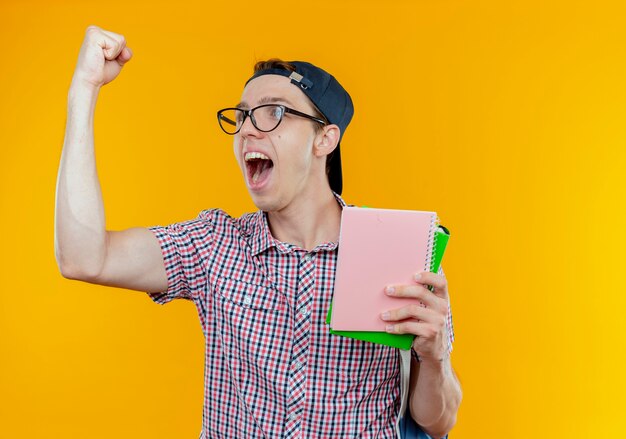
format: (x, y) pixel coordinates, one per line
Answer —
(435, 396)
(80, 235)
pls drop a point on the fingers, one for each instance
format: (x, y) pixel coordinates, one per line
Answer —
(424, 278)
(413, 311)
(439, 282)
(101, 58)
(431, 307)
(424, 330)
(112, 44)
(413, 291)
(125, 56)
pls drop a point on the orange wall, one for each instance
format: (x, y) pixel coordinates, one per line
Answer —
(522, 101)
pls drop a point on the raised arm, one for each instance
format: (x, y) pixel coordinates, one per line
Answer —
(84, 249)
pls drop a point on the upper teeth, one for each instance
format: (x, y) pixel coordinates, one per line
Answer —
(255, 155)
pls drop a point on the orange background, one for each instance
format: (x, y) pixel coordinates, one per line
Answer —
(507, 118)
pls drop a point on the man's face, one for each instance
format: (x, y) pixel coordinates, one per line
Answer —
(278, 166)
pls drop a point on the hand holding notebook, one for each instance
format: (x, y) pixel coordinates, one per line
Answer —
(380, 247)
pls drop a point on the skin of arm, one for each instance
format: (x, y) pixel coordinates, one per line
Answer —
(84, 249)
(434, 396)
(435, 392)
(80, 236)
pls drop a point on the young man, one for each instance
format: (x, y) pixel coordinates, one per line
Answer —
(262, 283)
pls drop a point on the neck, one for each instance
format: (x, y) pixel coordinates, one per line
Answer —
(309, 221)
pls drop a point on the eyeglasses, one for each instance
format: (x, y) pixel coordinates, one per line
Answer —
(265, 118)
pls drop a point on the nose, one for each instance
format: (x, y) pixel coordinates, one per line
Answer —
(248, 128)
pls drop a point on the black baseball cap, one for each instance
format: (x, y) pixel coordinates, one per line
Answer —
(330, 98)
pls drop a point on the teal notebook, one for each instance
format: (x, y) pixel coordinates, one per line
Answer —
(401, 341)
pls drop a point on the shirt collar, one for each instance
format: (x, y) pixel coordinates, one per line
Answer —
(260, 238)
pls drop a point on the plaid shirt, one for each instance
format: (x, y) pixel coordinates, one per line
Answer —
(272, 369)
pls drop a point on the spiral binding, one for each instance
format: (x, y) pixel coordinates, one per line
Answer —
(431, 243)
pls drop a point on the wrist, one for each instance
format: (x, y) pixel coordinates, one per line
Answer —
(81, 104)
(434, 364)
(81, 90)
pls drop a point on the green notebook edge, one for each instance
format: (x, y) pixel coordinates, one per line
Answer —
(400, 341)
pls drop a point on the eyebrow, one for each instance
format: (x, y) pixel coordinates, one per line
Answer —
(265, 100)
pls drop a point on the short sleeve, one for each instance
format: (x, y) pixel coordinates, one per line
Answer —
(186, 247)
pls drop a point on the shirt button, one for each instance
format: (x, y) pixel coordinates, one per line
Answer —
(247, 300)
(304, 311)
(298, 364)
(292, 416)
(308, 257)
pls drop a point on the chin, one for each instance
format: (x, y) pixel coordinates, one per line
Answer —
(266, 203)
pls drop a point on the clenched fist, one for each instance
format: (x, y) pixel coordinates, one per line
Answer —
(101, 57)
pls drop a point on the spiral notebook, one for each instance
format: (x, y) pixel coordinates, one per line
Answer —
(401, 341)
(378, 247)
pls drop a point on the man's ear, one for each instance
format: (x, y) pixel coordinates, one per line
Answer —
(326, 141)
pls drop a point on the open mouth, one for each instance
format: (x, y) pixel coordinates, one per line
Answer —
(258, 166)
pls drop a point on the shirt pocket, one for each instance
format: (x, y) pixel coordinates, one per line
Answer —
(253, 333)
(249, 296)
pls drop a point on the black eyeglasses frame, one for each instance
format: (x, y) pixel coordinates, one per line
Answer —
(249, 112)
